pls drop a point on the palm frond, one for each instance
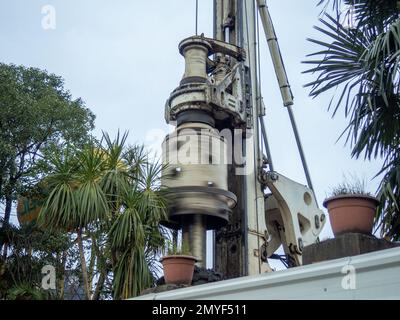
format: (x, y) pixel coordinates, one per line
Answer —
(361, 67)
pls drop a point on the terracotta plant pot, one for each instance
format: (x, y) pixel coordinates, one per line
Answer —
(351, 213)
(178, 269)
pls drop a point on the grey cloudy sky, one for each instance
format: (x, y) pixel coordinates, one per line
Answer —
(121, 57)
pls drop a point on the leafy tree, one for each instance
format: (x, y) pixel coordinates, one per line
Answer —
(36, 112)
(359, 62)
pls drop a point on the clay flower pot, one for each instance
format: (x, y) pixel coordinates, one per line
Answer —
(178, 269)
(351, 213)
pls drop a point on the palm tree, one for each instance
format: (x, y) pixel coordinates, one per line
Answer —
(136, 234)
(107, 190)
(360, 64)
(76, 199)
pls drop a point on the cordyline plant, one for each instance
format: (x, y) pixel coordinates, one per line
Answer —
(360, 64)
(110, 195)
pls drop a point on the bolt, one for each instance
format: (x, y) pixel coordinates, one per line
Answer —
(264, 253)
(317, 223)
(301, 245)
(273, 176)
(256, 252)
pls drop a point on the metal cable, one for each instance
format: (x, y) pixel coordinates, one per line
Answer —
(300, 147)
(197, 17)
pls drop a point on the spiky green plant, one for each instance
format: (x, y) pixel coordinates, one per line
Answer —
(111, 189)
(136, 234)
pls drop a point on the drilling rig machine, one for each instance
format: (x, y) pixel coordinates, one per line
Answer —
(217, 175)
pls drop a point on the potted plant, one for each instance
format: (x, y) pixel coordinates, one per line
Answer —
(178, 264)
(351, 208)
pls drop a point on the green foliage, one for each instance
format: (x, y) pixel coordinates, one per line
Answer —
(105, 191)
(104, 196)
(361, 67)
(25, 291)
(29, 250)
(111, 193)
(174, 249)
(136, 233)
(355, 186)
(37, 114)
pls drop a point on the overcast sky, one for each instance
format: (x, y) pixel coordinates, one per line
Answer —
(121, 58)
